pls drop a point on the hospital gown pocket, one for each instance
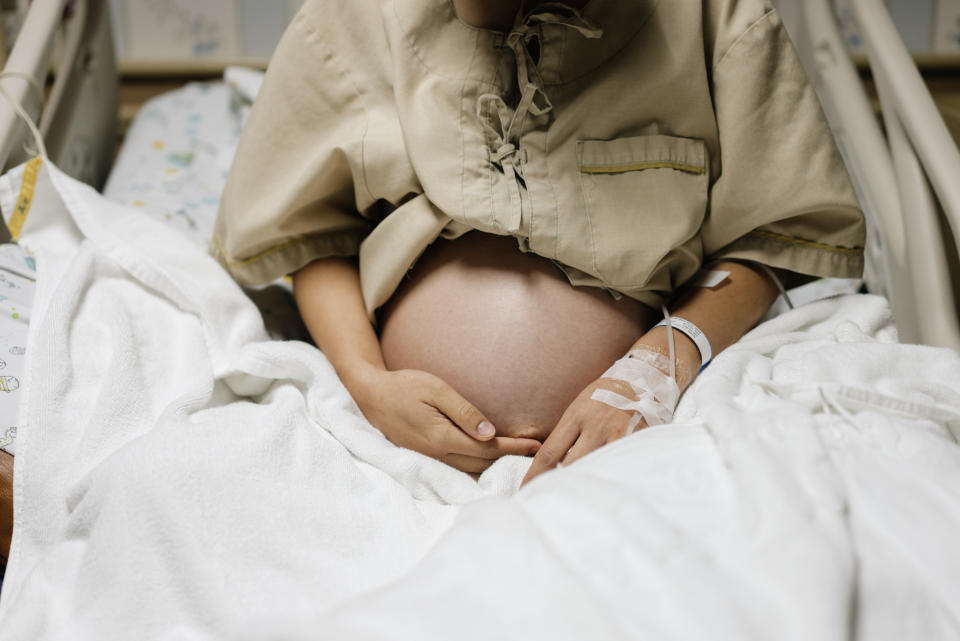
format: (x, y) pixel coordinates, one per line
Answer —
(644, 196)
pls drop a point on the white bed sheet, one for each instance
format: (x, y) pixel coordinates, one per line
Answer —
(179, 476)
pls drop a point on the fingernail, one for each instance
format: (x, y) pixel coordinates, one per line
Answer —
(534, 450)
(485, 429)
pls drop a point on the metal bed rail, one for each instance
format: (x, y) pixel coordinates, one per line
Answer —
(908, 181)
(79, 109)
(30, 58)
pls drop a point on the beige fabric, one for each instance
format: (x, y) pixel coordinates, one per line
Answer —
(628, 142)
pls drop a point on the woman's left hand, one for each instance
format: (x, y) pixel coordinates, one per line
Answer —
(585, 426)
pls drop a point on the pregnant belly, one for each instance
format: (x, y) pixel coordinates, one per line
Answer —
(506, 330)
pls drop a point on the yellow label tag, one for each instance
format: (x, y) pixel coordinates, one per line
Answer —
(25, 199)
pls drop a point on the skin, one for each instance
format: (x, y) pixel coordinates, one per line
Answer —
(498, 15)
(503, 328)
(487, 14)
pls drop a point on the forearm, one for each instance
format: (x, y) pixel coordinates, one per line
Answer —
(330, 301)
(724, 313)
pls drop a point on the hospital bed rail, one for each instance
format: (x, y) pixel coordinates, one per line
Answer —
(77, 113)
(908, 180)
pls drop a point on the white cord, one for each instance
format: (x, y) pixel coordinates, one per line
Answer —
(21, 112)
(670, 343)
(776, 281)
(30, 79)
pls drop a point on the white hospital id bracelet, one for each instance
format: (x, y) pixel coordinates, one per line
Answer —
(694, 333)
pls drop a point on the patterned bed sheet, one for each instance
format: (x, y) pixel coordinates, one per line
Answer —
(174, 164)
(177, 152)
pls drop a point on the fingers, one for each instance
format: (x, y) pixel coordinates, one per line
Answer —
(461, 413)
(460, 443)
(553, 449)
(449, 438)
(477, 465)
(505, 445)
(468, 464)
(586, 443)
(475, 457)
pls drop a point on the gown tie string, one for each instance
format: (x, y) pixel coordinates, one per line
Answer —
(504, 125)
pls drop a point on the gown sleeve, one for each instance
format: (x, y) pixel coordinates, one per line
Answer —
(783, 196)
(321, 159)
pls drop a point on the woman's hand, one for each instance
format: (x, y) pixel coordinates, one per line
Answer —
(421, 412)
(724, 313)
(585, 426)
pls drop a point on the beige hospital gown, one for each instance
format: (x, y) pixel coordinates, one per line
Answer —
(628, 142)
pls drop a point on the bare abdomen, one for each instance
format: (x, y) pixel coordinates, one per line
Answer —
(506, 330)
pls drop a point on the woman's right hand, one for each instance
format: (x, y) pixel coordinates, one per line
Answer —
(421, 412)
(413, 409)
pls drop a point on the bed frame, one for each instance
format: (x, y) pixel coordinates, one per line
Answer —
(78, 120)
(908, 181)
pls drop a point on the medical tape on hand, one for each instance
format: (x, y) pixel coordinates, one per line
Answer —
(632, 369)
(647, 408)
(657, 393)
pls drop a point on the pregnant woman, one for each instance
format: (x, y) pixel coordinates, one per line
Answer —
(486, 206)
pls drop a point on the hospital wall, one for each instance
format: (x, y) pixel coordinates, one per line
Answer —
(165, 32)
(929, 27)
(160, 33)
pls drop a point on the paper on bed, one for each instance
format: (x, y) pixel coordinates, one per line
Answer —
(181, 477)
(17, 284)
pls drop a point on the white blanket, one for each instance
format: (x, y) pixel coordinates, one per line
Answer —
(180, 477)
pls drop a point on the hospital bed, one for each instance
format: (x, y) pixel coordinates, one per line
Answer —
(229, 488)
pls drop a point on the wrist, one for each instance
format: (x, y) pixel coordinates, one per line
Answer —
(360, 377)
(686, 352)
